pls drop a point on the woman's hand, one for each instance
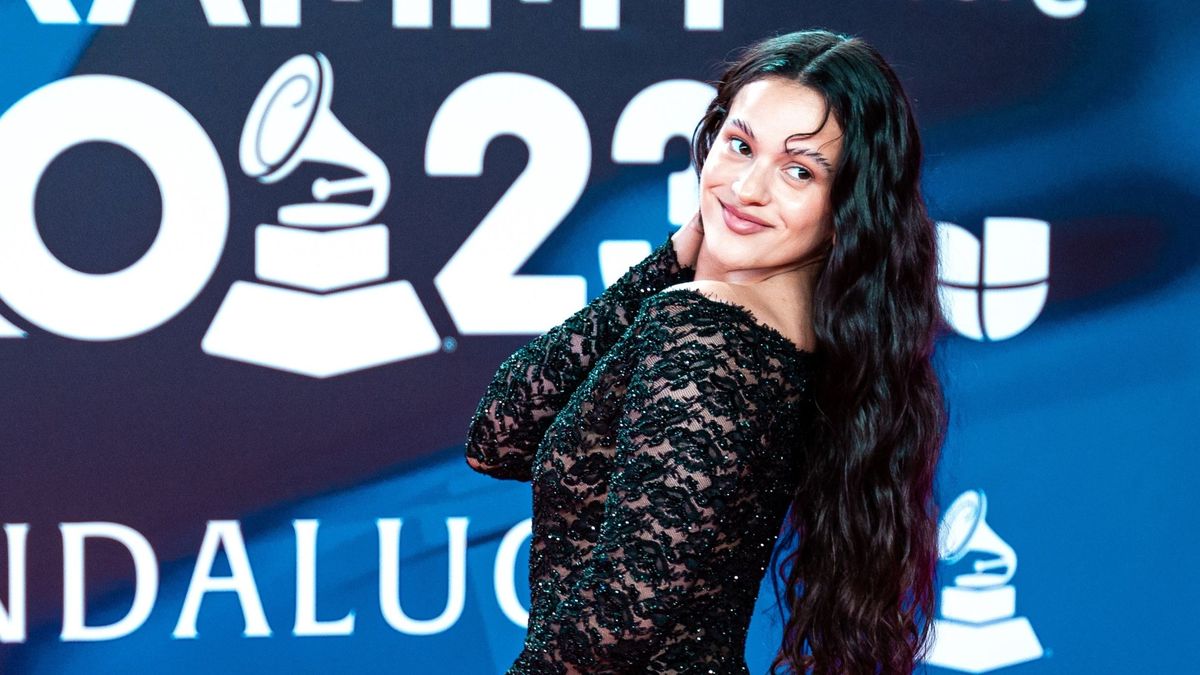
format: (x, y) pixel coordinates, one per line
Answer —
(687, 241)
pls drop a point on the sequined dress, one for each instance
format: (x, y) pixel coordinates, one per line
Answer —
(661, 430)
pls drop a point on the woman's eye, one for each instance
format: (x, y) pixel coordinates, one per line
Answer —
(734, 144)
(801, 172)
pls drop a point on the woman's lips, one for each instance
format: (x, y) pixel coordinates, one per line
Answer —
(740, 224)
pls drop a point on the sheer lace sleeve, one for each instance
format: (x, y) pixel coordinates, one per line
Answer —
(689, 428)
(533, 384)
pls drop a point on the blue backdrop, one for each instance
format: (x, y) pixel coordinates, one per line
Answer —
(235, 394)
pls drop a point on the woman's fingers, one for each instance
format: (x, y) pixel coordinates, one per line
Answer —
(687, 241)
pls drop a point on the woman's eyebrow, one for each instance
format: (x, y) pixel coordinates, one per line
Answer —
(737, 122)
(744, 126)
(814, 154)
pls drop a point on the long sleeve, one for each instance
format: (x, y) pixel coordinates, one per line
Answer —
(692, 423)
(533, 384)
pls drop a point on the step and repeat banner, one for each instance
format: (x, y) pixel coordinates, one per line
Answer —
(259, 260)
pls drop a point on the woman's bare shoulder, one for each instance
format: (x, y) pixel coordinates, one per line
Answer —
(718, 290)
(724, 292)
(758, 309)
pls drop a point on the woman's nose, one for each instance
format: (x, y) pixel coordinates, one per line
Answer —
(750, 187)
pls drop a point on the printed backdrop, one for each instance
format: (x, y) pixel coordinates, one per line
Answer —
(246, 313)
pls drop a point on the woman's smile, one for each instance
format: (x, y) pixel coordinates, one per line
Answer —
(740, 222)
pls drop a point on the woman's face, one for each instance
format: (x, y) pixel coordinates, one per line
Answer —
(758, 168)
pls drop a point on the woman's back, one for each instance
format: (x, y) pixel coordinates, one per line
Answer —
(661, 431)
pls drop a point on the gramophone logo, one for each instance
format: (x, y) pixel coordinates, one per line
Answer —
(979, 630)
(325, 309)
(994, 290)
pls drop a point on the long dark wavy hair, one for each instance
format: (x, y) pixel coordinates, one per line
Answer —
(860, 578)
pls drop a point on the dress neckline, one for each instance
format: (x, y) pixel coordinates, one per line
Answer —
(748, 316)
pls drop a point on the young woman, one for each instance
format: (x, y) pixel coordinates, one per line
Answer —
(767, 365)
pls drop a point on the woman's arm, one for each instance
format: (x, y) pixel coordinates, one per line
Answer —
(533, 384)
(691, 423)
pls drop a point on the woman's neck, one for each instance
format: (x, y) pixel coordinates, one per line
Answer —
(781, 295)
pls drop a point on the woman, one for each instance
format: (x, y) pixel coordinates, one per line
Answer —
(770, 359)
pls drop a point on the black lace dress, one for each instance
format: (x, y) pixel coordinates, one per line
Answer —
(661, 430)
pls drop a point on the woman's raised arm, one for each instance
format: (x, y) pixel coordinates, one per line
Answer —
(533, 384)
